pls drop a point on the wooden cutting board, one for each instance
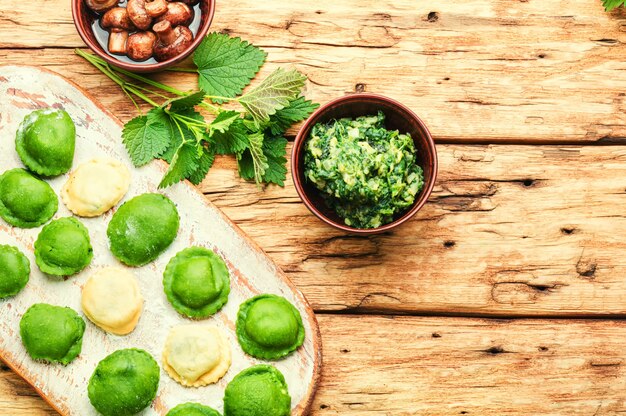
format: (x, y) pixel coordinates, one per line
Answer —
(23, 89)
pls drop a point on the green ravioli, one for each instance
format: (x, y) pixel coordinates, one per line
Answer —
(143, 228)
(257, 391)
(52, 333)
(45, 141)
(124, 383)
(14, 271)
(26, 201)
(197, 282)
(192, 409)
(269, 327)
(63, 247)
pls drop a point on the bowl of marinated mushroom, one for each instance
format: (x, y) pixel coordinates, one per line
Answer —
(143, 35)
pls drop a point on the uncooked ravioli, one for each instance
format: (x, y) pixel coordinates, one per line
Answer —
(192, 409)
(196, 355)
(269, 327)
(63, 247)
(14, 271)
(124, 383)
(197, 282)
(95, 187)
(45, 141)
(25, 200)
(112, 300)
(52, 333)
(257, 391)
(142, 228)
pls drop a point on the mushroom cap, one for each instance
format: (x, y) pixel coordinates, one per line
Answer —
(138, 14)
(177, 14)
(140, 45)
(118, 18)
(100, 6)
(164, 51)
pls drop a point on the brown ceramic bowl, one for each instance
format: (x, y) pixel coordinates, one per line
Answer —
(398, 117)
(84, 21)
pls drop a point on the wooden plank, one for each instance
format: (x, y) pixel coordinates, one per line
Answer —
(449, 366)
(515, 230)
(491, 70)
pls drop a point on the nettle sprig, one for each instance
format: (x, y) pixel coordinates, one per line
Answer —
(612, 4)
(173, 130)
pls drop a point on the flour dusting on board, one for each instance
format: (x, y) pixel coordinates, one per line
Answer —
(252, 272)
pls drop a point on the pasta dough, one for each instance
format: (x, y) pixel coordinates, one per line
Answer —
(95, 187)
(52, 333)
(269, 327)
(45, 141)
(257, 391)
(26, 201)
(14, 271)
(192, 409)
(142, 228)
(124, 383)
(112, 300)
(196, 282)
(63, 247)
(196, 355)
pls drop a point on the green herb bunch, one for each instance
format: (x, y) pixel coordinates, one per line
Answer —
(612, 4)
(177, 133)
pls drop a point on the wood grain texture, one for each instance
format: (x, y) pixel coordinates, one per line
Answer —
(476, 70)
(509, 230)
(404, 366)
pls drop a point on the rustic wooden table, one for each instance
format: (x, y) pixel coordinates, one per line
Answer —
(506, 294)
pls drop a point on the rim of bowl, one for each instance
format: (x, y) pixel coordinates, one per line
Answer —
(300, 139)
(80, 23)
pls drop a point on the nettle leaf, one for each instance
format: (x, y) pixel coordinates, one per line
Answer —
(612, 4)
(234, 140)
(174, 133)
(275, 149)
(186, 161)
(147, 137)
(204, 164)
(223, 121)
(297, 110)
(226, 65)
(273, 94)
(185, 102)
(259, 159)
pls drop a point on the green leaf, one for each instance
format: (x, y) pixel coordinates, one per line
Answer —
(204, 164)
(612, 4)
(259, 159)
(275, 151)
(233, 140)
(174, 133)
(297, 110)
(185, 102)
(226, 65)
(147, 137)
(184, 163)
(273, 94)
(223, 121)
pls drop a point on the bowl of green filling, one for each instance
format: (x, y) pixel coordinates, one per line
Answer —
(364, 163)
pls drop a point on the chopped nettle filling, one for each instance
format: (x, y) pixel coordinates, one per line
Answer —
(366, 173)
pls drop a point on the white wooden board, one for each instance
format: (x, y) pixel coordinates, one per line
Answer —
(23, 89)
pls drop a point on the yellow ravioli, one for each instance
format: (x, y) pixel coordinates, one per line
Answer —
(95, 187)
(196, 355)
(112, 300)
